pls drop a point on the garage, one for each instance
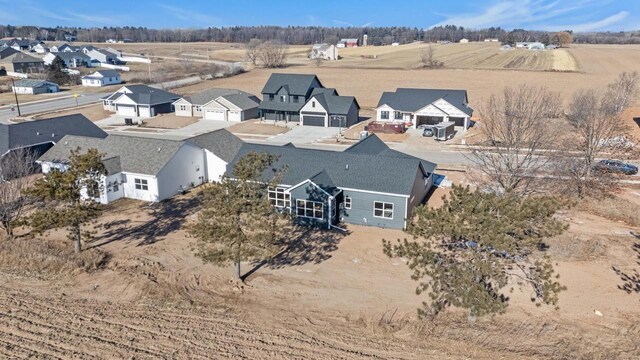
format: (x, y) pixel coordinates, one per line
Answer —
(215, 115)
(428, 120)
(459, 121)
(313, 120)
(127, 110)
(144, 112)
(234, 116)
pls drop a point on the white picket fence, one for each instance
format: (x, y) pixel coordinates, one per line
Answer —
(18, 75)
(116, 67)
(134, 59)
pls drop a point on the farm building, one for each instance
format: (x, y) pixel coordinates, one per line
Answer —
(102, 78)
(425, 107)
(324, 52)
(536, 46)
(219, 104)
(34, 87)
(139, 101)
(464, 41)
(347, 43)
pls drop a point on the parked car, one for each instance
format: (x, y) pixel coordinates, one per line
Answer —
(427, 132)
(615, 166)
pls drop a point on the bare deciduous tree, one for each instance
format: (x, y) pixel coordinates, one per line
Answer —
(428, 60)
(273, 54)
(601, 132)
(15, 168)
(519, 137)
(252, 50)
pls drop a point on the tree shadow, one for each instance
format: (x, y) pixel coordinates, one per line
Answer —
(164, 218)
(302, 245)
(631, 279)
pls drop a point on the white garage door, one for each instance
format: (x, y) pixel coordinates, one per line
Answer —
(144, 112)
(126, 110)
(234, 116)
(214, 115)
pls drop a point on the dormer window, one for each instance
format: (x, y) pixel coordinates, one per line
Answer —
(283, 98)
(270, 97)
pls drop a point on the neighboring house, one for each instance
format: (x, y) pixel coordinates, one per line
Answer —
(13, 60)
(40, 135)
(71, 59)
(284, 95)
(324, 52)
(149, 169)
(4, 44)
(110, 41)
(102, 78)
(87, 48)
(140, 101)
(366, 184)
(20, 44)
(522, 44)
(103, 56)
(492, 40)
(34, 87)
(464, 41)
(326, 108)
(425, 107)
(343, 43)
(70, 38)
(219, 104)
(536, 46)
(40, 49)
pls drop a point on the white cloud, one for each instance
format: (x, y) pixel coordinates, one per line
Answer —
(594, 25)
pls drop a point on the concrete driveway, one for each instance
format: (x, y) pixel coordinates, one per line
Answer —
(303, 135)
(201, 127)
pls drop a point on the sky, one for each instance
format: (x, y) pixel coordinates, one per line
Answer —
(551, 15)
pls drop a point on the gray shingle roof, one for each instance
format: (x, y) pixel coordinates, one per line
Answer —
(378, 169)
(297, 84)
(19, 57)
(333, 103)
(34, 83)
(146, 95)
(6, 52)
(142, 155)
(221, 142)
(415, 99)
(239, 98)
(29, 133)
(73, 55)
(103, 73)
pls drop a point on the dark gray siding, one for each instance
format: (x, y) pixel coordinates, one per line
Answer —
(310, 192)
(421, 187)
(361, 212)
(354, 115)
(161, 109)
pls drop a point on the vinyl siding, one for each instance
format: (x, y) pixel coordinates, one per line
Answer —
(361, 212)
(310, 192)
(184, 169)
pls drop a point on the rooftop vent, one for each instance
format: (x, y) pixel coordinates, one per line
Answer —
(159, 149)
(37, 132)
(346, 167)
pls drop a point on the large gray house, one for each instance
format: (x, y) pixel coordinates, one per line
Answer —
(367, 184)
(326, 108)
(284, 95)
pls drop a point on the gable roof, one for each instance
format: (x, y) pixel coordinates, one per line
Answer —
(33, 83)
(239, 98)
(333, 103)
(29, 133)
(102, 73)
(19, 57)
(137, 154)
(72, 55)
(8, 51)
(415, 99)
(383, 170)
(296, 84)
(222, 143)
(145, 95)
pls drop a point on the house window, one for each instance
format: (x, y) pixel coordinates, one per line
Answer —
(313, 104)
(384, 115)
(93, 190)
(295, 98)
(116, 186)
(141, 184)
(279, 198)
(283, 98)
(183, 107)
(198, 108)
(270, 97)
(397, 115)
(347, 202)
(382, 210)
(310, 209)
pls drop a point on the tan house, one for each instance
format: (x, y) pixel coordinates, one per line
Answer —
(219, 104)
(14, 61)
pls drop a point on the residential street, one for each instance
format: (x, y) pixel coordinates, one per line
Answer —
(50, 105)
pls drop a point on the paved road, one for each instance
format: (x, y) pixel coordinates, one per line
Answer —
(49, 105)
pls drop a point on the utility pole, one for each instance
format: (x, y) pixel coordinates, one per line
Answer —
(13, 87)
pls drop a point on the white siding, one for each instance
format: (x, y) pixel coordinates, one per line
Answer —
(384, 108)
(451, 110)
(131, 192)
(216, 167)
(186, 169)
(179, 105)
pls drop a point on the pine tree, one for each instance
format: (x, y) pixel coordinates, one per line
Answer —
(62, 192)
(466, 252)
(55, 72)
(238, 222)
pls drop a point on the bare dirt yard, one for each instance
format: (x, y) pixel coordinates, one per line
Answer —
(92, 112)
(139, 291)
(256, 127)
(169, 121)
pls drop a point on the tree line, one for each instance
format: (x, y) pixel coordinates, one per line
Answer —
(306, 35)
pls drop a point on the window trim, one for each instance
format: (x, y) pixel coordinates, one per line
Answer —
(348, 200)
(397, 115)
(383, 210)
(141, 184)
(384, 115)
(286, 200)
(312, 209)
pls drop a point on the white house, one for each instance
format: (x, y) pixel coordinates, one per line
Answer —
(139, 101)
(71, 59)
(103, 55)
(324, 52)
(219, 104)
(464, 41)
(150, 169)
(425, 107)
(34, 87)
(102, 78)
(40, 49)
